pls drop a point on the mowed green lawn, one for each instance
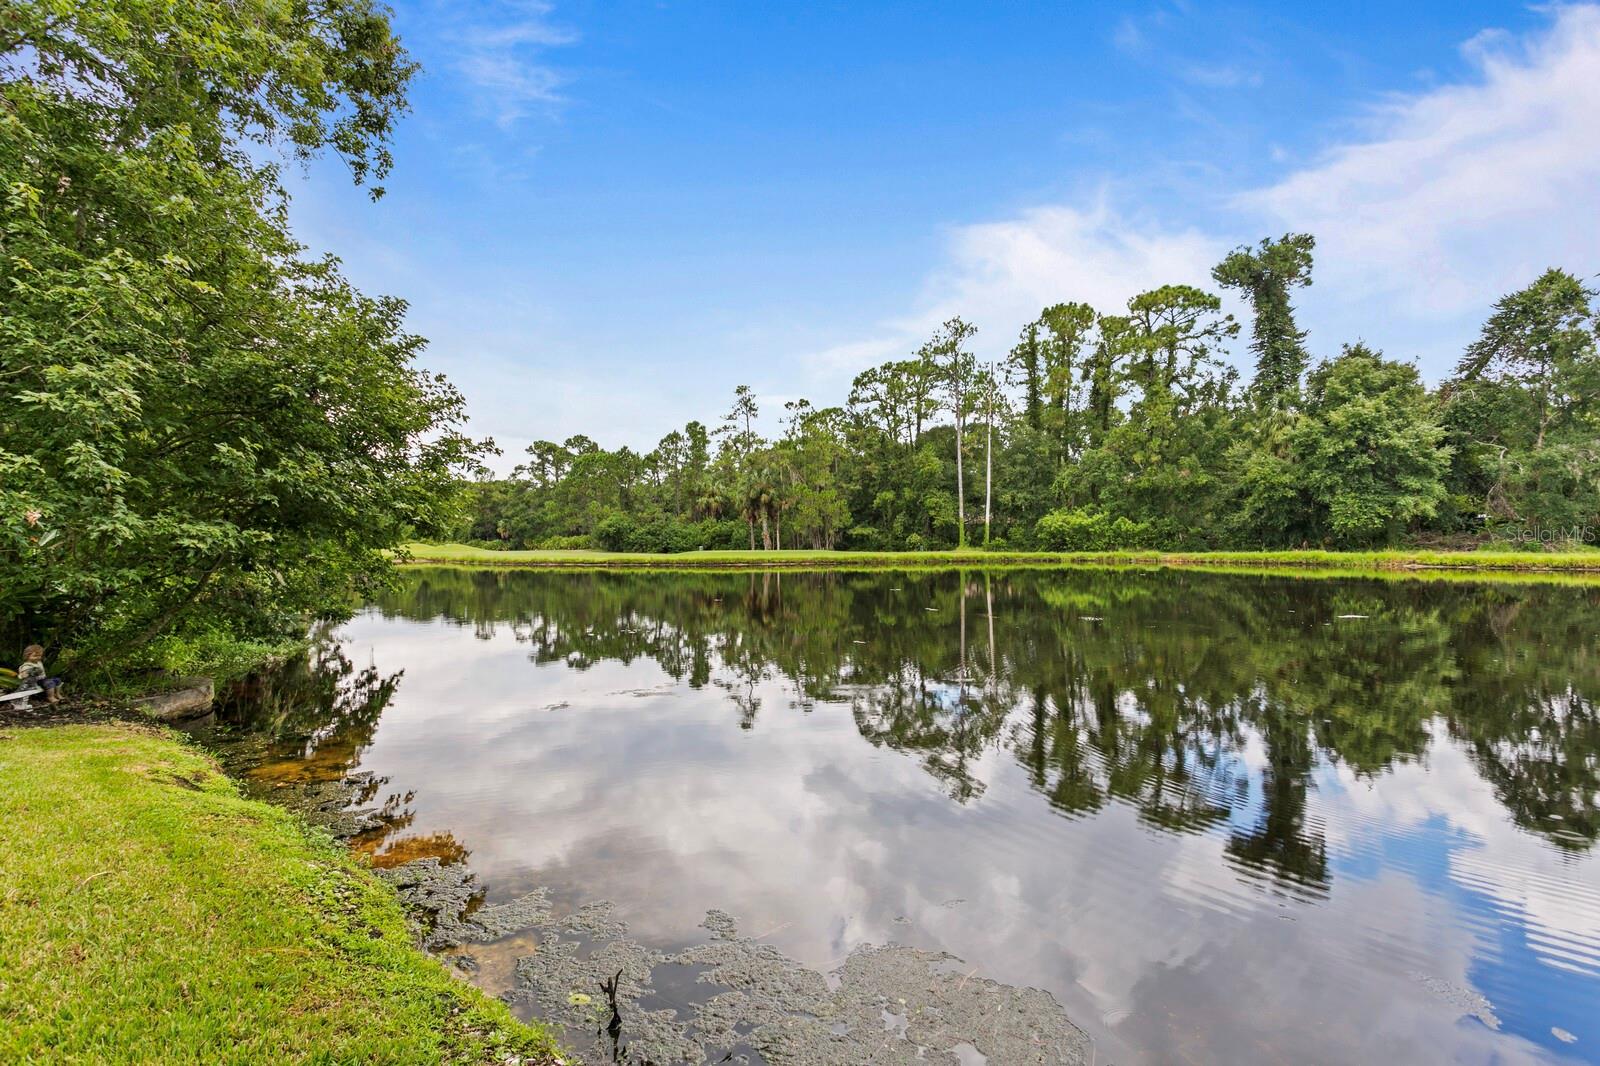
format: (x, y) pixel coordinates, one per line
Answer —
(149, 913)
(806, 559)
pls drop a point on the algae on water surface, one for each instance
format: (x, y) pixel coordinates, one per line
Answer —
(747, 1001)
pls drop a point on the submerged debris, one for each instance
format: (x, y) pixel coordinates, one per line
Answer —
(503, 919)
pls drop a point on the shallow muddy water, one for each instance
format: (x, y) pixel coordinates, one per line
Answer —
(1217, 818)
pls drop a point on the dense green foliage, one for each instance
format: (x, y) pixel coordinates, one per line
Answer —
(153, 914)
(1121, 431)
(205, 431)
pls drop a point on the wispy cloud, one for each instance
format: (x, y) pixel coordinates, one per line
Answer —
(1220, 76)
(501, 55)
(1129, 35)
(1450, 196)
(1164, 39)
(1442, 201)
(1132, 32)
(1426, 208)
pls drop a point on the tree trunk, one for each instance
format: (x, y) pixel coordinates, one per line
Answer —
(988, 477)
(961, 493)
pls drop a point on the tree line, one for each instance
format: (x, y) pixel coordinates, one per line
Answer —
(1116, 430)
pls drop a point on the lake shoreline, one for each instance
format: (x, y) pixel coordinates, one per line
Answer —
(1419, 563)
(177, 889)
(1042, 772)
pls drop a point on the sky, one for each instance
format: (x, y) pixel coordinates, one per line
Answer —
(606, 215)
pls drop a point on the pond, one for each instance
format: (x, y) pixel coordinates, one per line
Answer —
(1214, 817)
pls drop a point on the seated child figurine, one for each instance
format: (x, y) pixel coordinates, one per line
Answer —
(32, 673)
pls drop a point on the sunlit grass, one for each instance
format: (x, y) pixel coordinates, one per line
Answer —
(1584, 561)
(149, 913)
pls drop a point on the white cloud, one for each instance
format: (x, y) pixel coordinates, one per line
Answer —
(852, 357)
(1005, 271)
(1427, 209)
(999, 275)
(1463, 192)
(503, 61)
(1447, 199)
(1133, 31)
(1128, 36)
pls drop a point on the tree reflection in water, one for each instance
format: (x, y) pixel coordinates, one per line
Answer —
(1203, 701)
(298, 734)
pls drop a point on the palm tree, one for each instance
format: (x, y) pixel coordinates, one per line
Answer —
(758, 506)
(708, 502)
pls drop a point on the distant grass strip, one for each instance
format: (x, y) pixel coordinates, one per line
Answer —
(462, 554)
(149, 913)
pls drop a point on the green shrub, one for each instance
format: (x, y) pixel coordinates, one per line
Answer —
(665, 535)
(575, 542)
(621, 533)
(865, 538)
(721, 534)
(1069, 530)
(615, 532)
(213, 653)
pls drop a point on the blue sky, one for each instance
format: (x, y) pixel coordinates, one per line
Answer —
(607, 215)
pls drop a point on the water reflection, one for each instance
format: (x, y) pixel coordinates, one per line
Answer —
(1412, 770)
(306, 728)
(1140, 689)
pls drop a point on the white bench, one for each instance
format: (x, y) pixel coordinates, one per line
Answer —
(23, 699)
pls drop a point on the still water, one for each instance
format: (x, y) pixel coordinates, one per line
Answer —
(1217, 817)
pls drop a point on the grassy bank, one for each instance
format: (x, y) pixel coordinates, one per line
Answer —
(148, 913)
(461, 554)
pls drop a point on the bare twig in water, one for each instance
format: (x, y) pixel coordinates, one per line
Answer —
(614, 1026)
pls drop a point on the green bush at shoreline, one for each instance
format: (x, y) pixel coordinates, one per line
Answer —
(148, 912)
